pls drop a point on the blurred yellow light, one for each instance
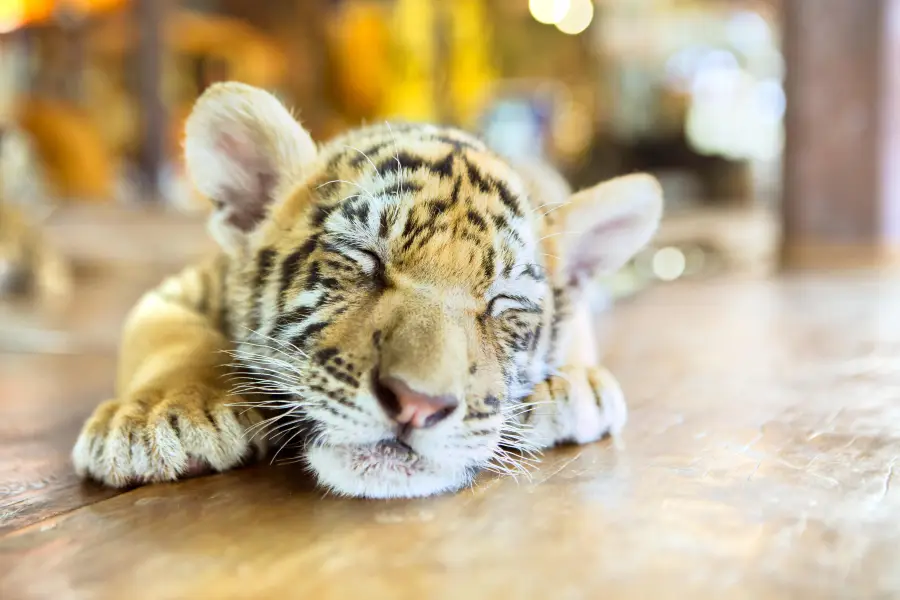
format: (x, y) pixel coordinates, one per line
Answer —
(669, 263)
(88, 6)
(548, 12)
(18, 13)
(577, 18)
(12, 14)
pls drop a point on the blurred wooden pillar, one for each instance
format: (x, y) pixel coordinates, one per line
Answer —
(22, 41)
(150, 16)
(73, 27)
(842, 161)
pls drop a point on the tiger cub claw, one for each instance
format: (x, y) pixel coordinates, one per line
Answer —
(577, 405)
(159, 436)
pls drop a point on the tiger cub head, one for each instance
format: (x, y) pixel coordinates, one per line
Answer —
(397, 291)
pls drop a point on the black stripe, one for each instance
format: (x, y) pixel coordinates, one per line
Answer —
(412, 232)
(321, 213)
(444, 167)
(384, 226)
(399, 187)
(173, 423)
(335, 160)
(362, 211)
(537, 337)
(365, 155)
(265, 260)
(402, 160)
(211, 418)
(533, 271)
(478, 416)
(556, 320)
(298, 315)
(337, 265)
(522, 378)
(392, 164)
(508, 264)
(526, 414)
(454, 195)
(438, 207)
(508, 199)
(325, 355)
(502, 226)
(356, 212)
(291, 265)
(313, 276)
(458, 143)
(488, 184)
(477, 179)
(487, 263)
(341, 376)
(302, 338)
(409, 227)
(476, 220)
(329, 283)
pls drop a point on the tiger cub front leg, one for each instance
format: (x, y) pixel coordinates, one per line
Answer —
(165, 433)
(580, 402)
(173, 415)
(578, 405)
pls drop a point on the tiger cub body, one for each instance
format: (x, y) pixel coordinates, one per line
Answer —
(404, 305)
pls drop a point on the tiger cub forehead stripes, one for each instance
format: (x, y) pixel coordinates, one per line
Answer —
(442, 210)
(441, 185)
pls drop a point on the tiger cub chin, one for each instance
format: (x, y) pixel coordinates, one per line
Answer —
(399, 307)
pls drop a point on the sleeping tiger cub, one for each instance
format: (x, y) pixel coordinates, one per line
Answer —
(407, 306)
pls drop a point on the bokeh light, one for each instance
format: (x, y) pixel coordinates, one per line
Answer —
(549, 12)
(577, 18)
(669, 263)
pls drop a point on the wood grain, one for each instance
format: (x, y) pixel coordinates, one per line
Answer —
(43, 401)
(760, 462)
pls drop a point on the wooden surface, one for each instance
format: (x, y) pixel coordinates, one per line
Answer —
(760, 462)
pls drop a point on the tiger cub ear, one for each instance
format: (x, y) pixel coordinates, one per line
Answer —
(242, 149)
(601, 228)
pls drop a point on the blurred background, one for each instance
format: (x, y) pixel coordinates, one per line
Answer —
(699, 92)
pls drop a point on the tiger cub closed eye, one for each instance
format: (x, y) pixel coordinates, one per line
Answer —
(409, 304)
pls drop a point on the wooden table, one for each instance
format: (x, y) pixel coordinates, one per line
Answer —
(760, 462)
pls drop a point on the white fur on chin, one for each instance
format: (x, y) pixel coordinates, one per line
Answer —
(337, 468)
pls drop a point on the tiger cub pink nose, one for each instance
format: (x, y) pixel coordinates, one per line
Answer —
(409, 407)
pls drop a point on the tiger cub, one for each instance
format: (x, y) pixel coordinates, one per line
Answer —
(408, 306)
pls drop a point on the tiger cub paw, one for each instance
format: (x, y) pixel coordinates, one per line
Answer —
(577, 405)
(158, 436)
